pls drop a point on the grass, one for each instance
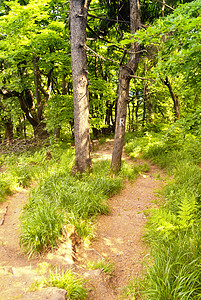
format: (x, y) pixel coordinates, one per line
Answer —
(61, 199)
(104, 265)
(173, 229)
(175, 272)
(131, 172)
(74, 285)
(20, 169)
(131, 290)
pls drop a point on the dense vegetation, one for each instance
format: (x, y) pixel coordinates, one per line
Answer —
(174, 227)
(163, 124)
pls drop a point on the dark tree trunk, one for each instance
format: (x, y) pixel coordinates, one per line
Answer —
(24, 127)
(123, 88)
(133, 110)
(37, 88)
(8, 131)
(108, 117)
(136, 112)
(78, 20)
(147, 104)
(26, 103)
(174, 98)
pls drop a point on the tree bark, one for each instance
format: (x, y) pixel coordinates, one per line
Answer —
(8, 131)
(26, 102)
(174, 98)
(123, 88)
(78, 21)
(37, 88)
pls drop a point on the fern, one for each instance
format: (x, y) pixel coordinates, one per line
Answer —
(166, 224)
(162, 222)
(187, 211)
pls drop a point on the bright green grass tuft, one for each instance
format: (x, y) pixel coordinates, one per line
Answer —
(70, 282)
(104, 265)
(175, 272)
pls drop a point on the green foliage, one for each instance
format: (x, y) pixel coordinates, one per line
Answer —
(175, 272)
(178, 42)
(5, 186)
(20, 169)
(167, 224)
(131, 172)
(104, 265)
(132, 290)
(70, 282)
(59, 111)
(41, 226)
(136, 145)
(173, 229)
(61, 198)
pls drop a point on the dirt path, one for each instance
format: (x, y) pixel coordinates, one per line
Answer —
(119, 239)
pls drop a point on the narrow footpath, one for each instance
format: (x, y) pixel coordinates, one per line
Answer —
(119, 239)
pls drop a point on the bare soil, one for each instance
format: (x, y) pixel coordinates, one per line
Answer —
(119, 239)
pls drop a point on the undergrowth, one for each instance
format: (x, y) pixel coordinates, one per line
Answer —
(61, 199)
(74, 285)
(173, 229)
(104, 265)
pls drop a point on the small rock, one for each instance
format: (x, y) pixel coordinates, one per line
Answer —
(51, 293)
(56, 294)
(92, 273)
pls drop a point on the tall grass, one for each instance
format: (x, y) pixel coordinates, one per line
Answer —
(61, 198)
(174, 230)
(175, 272)
(21, 168)
(70, 282)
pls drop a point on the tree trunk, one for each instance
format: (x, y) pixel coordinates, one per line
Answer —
(147, 100)
(24, 127)
(123, 96)
(174, 98)
(123, 88)
(37, 88)
(8, 131)
(78, 20)
(26, 103)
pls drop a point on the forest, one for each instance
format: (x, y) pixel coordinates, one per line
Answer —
(77, 73)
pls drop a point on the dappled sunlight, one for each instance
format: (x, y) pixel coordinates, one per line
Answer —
(64, 253)
(113, 244)
(98, 157)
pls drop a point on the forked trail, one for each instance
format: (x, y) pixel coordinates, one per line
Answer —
(119, 239)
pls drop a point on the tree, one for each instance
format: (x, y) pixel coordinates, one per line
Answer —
(125, 73)
(78, 22)
(32, 58)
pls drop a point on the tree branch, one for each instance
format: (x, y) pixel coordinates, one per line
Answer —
(164, 4)
(9, 94)
(106, 19)
(101, 57)
(142, 78)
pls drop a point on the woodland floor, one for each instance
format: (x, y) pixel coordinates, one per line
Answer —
(119, 238)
